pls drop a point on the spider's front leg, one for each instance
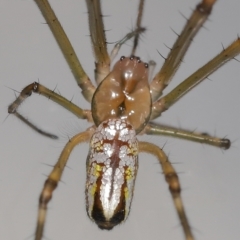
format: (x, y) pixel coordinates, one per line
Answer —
(180, 47)
(66, 47)
(176, 55)
(55, 176)
(43, 91)
(201, 74)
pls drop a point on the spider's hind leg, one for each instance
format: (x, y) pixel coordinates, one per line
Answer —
(54, 177)
(173, 182)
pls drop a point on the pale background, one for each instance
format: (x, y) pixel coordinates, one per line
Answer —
(210, 177)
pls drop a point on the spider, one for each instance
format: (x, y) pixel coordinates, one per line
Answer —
(122, 107)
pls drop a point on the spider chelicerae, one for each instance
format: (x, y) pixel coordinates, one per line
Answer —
(121, 107)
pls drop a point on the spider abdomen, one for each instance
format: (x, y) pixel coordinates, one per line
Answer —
(111, 171)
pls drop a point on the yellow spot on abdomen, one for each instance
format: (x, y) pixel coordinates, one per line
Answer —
(126, 193)
(93, 189)
(128, 174)
(97, 170)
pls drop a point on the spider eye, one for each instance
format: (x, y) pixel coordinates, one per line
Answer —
(111, 171)
(122, 57)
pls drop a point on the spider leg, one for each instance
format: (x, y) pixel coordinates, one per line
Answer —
(34, 127)
(173, 182)
(156, 129)
(135, 33)
(138, 26)
(43, 91)
(128, 36)
(202, 73)
(54, 177)
(80, 76)
(98, 38)
(174, 58)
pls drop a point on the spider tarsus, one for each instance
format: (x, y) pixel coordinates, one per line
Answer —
(225, 143)
(46, 134)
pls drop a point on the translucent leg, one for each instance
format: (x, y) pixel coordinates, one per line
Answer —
(172, 62)
(173, 182)
(43, 91)
(128, 36)
(168, 100)
(138, 26)
(80, 76)
(156, 129)
(54, 177)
